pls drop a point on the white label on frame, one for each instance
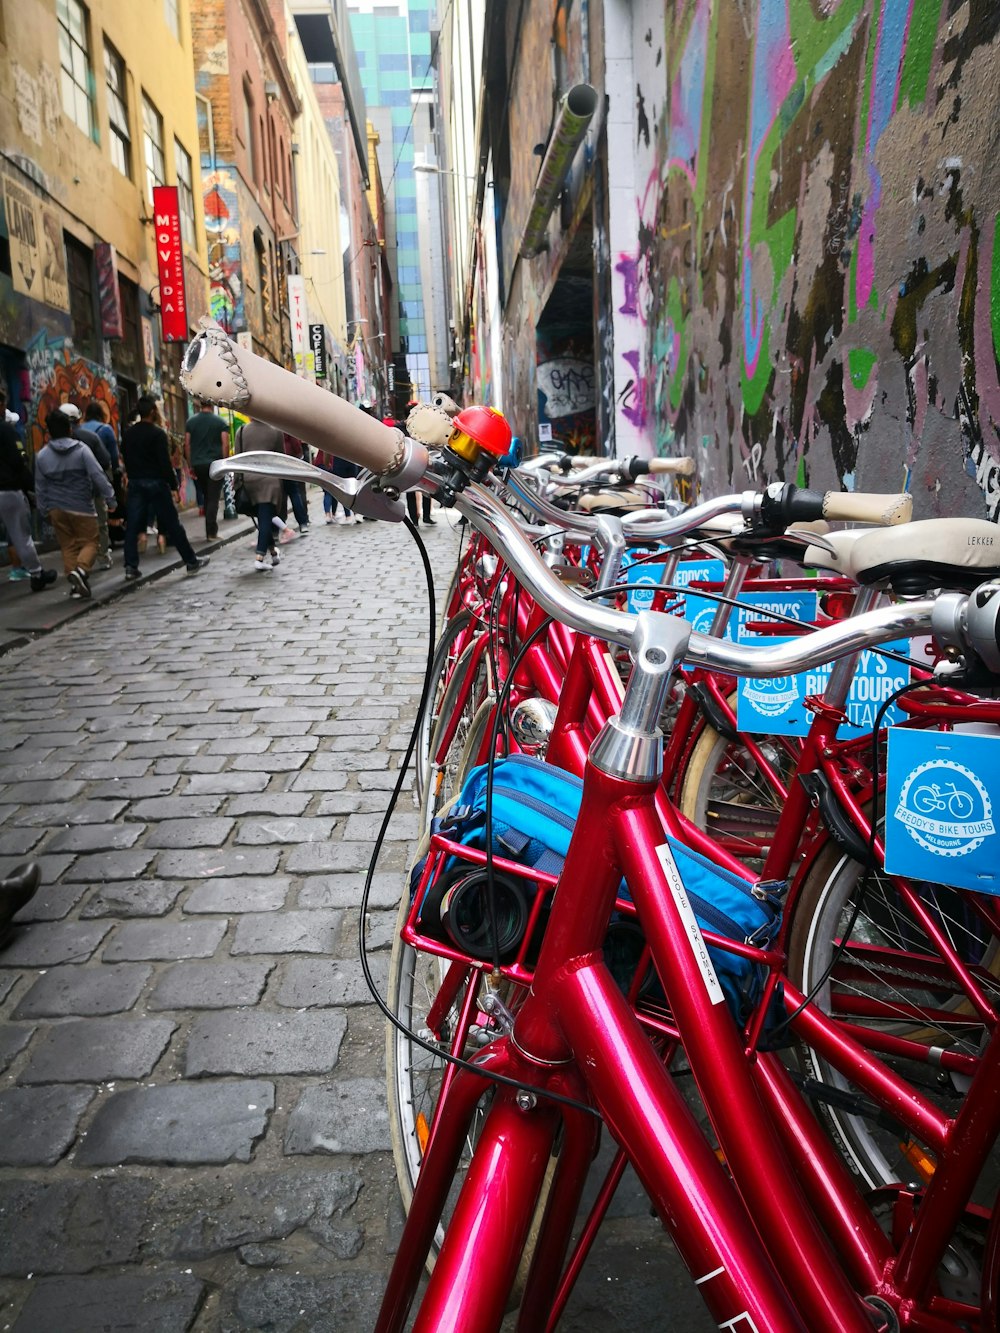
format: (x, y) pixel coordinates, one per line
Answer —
(691, 928)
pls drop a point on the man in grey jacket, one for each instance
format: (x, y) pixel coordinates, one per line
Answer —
(99, 449)
(67, 477)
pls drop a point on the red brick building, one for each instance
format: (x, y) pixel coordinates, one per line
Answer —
(247, 106)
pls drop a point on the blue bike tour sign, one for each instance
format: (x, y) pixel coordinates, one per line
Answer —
(643, 579)
(940, 796)
(771, 706)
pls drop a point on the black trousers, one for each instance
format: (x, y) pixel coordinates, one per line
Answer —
(411, 505)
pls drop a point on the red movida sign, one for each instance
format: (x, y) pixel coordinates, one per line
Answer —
(170, 262)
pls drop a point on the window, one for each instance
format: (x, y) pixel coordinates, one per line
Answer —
(152, 137)
(172, 18)
(263, 295)
(126, 352)
(121, 138)
(185, 192)
(74, 60)
(248, 133)
(80, 276)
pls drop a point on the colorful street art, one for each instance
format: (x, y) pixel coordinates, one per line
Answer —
(56, 376)
(222, 228)
(814, 292)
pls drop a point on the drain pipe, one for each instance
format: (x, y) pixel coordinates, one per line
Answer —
(573, 116)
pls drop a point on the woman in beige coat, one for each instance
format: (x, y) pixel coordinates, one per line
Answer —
(265, 492)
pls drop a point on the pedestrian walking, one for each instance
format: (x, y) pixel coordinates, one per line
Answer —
(206, 438)
(411, 496)
(67, 477)
(16, 484)
(95, 418)
(152, 484)
(295, 491)
(265, 492)
(98, 448)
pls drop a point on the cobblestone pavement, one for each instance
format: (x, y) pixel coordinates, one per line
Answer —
(193, 1132)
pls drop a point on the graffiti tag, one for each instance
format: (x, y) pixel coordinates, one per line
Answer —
(568, 386)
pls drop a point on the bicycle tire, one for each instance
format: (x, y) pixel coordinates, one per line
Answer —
(442, 667)
(414, 1075)
(719, 790)
(825, 902)
(445, 775)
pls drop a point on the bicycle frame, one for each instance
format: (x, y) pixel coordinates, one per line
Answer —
(577, 1035)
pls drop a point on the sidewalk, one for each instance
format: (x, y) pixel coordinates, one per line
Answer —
(26, 615)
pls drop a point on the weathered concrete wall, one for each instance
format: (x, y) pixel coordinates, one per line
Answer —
(814, 290)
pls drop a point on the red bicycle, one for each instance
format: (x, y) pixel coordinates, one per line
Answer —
(774, 1229)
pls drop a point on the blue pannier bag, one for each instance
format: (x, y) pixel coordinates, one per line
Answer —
(534, 809)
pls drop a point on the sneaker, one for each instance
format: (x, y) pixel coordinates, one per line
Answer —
(341, 519)
(328, 519)
(161, 545)
(17, 573)
(131, 574)
(104, 562)
(198, 565)
(79, 582)
(261, 565)
(304, 530)
(287, 535)
(43, 579)
(358, 518)
(275, 557)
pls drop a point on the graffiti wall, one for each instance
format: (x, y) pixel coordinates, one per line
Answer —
(56, 375)
(814, 287)
(225, 242)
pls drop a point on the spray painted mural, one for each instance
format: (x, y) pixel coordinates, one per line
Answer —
(57, 376)
(814, 292)
(222, 228)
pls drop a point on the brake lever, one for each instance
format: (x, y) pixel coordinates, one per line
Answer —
(359, 494)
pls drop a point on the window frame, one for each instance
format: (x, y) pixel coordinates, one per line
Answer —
(172, 17)
(119, 136)
(74, 48)
(82, 311)
(149, 142)
(185, 193)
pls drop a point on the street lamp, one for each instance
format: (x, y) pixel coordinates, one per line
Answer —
(429, 169)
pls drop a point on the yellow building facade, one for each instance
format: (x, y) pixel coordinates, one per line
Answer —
(321, 238)
(97, 105)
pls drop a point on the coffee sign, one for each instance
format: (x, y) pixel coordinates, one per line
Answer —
(317, 345)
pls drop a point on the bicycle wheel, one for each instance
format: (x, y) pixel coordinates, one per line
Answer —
(442, 667)
(414, 1074)
(470, 696)
(888, 978)
(726, 790)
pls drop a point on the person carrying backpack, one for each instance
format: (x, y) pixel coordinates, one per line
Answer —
(67, 477)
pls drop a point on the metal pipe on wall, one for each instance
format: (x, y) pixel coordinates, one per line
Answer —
(573, 116)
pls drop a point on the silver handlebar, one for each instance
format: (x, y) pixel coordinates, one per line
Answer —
(954, 618)
(651, 526)
(811, 650)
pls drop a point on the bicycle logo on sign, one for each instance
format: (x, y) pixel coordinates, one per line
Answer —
(945, 808)
(774, 697)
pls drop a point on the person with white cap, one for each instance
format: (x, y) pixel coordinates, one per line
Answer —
(67, 477)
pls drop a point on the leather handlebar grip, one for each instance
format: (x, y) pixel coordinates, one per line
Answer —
(682, 467)
(867, 507)
(216, 369)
